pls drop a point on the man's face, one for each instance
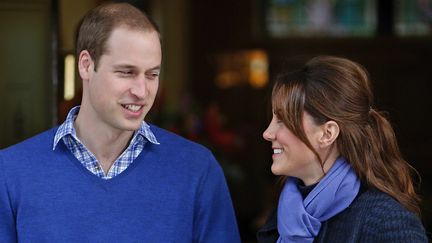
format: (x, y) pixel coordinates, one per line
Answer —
(122, 90)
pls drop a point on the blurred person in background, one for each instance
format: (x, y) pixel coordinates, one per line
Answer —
(344, 177)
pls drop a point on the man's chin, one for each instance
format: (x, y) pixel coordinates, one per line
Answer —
(131, 127)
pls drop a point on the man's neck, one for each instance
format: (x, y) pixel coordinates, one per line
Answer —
(104, 143)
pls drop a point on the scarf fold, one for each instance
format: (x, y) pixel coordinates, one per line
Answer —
(300, 220)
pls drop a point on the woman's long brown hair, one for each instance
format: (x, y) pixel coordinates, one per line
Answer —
(337, 89)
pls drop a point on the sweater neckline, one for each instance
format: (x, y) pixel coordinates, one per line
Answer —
(85, 172)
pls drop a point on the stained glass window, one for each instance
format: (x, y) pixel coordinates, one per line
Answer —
(287, 18)
(413, 17)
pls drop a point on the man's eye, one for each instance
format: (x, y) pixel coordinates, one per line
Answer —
(153, 75)
(124, 72)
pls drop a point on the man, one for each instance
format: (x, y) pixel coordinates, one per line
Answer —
(105, 175)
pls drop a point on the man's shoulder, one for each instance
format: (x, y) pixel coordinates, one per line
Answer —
(169, 139)
(180, 151)
(35, 143)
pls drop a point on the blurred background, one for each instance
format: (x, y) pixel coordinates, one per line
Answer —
(219, 61)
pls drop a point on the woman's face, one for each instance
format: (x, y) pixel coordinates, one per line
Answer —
(291, 157)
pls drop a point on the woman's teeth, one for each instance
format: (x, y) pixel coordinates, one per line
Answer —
(277, 151)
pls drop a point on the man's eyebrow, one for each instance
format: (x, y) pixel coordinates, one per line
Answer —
(124, 66)
(128, 66)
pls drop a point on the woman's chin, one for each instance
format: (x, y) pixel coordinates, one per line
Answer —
(276, 170)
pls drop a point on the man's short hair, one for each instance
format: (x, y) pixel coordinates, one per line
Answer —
(97, 25)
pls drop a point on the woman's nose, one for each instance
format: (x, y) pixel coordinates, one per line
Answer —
(268, 135)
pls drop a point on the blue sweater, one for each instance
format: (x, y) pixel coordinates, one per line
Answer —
(173, 192)
(372, 217)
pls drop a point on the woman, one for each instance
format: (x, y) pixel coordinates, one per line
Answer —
(345, 179)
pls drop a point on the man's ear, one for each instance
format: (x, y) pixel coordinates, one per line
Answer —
(85, 65)
(329, 135)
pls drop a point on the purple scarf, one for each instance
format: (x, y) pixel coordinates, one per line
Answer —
(300, 220)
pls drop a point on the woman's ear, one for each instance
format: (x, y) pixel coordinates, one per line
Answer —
(85, 65)
(329, 135)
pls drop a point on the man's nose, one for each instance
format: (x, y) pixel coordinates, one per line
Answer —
(139, 88)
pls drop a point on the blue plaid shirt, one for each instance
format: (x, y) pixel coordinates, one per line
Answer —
(67, 133)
